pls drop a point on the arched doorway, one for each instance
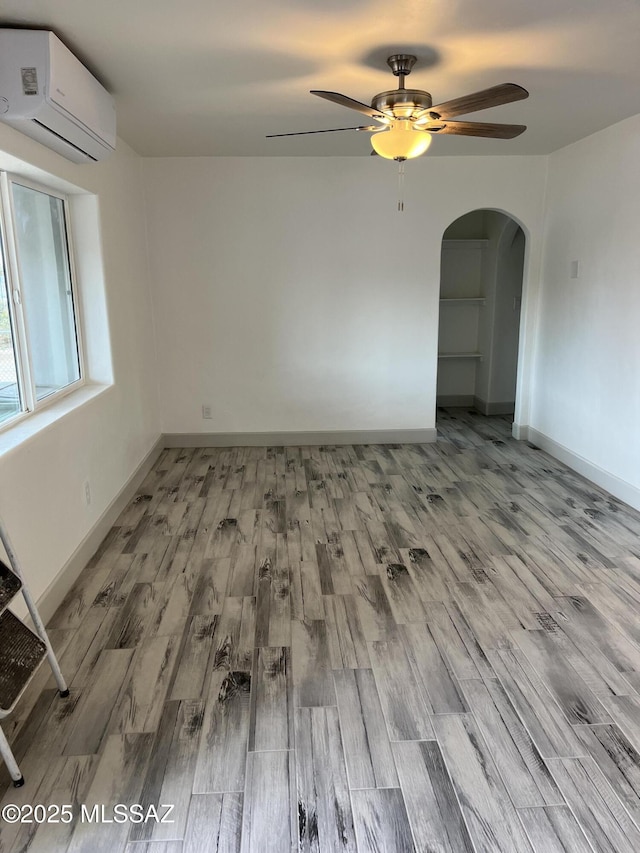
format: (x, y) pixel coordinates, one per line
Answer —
(480, 300)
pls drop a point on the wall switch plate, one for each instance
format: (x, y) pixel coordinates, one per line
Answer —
(575, 269)
(86, 491)
(206, 411)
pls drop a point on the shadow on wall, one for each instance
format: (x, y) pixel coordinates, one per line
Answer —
(480, 300)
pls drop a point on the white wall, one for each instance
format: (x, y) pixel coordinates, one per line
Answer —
(104, 440)
(290, 295)
(587, 377)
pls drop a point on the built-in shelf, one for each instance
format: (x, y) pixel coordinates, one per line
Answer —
(462, 285)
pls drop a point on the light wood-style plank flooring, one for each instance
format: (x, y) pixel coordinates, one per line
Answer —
(368, 648)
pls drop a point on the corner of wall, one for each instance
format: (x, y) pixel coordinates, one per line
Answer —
(150, 291)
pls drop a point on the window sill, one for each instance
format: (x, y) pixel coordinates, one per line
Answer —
(30, 426)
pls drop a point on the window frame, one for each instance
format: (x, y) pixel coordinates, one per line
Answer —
(30, 405)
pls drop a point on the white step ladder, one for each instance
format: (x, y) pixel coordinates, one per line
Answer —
(21, 650)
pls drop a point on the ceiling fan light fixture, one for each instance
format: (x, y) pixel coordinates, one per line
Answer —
(401, 142)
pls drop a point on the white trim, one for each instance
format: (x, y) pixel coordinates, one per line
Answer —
(75, 290)
(16, 178)
(498, 407)
(444, 401)
(299, 439)
(22, 344)
(12, 278)
(520, 432)
(33, 403)
(54, 594)
(469, 355)
(621, 489)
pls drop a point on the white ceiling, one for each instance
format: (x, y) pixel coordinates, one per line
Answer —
(200, 77)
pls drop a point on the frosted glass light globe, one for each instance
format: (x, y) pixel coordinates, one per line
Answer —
(401, 141)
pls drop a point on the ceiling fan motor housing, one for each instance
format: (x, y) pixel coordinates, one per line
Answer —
(402, 103)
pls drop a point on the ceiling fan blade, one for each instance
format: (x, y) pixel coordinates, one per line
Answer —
(307, 132)
(344, 101)
(476, 128)
(505, 93)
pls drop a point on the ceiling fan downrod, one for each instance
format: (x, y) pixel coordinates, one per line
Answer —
(401, 65)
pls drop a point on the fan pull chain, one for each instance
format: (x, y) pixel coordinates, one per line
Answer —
(401, 186)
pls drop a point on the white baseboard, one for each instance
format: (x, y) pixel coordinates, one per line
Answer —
(470, 401)
(299, 439)
(619, 488)
(52, 597)
(499, 408)
(445, 401)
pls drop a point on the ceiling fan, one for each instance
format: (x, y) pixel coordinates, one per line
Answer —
(407, 118)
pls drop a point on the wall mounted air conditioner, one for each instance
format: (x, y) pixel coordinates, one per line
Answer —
(48, 94)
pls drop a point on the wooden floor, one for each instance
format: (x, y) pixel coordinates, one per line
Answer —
(372, 648)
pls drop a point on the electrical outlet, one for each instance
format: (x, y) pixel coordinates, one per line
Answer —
(206, 411)
(87, 493)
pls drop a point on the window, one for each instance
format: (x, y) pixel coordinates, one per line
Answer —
(40, 353)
